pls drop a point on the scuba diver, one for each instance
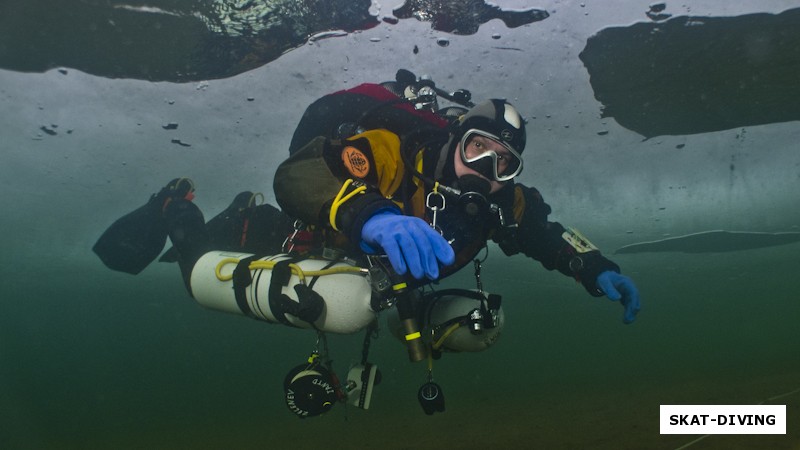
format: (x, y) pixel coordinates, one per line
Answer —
(384, 192)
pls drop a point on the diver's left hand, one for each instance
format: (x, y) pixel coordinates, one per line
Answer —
(619, 287)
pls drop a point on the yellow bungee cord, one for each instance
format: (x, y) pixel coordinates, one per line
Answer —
(296, 270)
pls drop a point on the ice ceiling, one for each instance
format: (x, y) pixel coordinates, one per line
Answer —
(646, 122)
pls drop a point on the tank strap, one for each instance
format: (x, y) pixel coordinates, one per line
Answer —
(310, 304)
(241, 280)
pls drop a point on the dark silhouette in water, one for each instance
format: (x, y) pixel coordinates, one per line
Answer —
(204, 40)
(465, 16)
(698, 74)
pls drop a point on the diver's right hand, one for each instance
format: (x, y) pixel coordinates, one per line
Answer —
(409, 242)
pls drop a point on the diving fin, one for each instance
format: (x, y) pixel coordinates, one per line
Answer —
(225, 229)
(245, 226)
(133, 241)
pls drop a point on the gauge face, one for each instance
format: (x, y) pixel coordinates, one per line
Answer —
(431, 398)
(429, 391)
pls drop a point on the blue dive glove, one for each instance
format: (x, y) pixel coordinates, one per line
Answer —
(619, 287)
(409, 242)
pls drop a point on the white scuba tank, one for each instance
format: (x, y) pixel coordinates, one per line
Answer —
(346, 295)
(448, 308)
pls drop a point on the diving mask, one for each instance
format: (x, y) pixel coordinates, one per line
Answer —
(489, 155)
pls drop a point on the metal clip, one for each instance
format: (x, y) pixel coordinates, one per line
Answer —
(288, 243)
(433, 196)
(478, 275)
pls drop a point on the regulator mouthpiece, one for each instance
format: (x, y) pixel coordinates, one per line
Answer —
(473, 198)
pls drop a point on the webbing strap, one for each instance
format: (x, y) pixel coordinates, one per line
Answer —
(281, 273)
(241, 280)
(362, 398)
(309, 305)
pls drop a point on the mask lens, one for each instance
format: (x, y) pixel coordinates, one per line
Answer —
(511, 166)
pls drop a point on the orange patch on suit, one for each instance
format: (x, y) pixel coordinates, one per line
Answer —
(355, 161)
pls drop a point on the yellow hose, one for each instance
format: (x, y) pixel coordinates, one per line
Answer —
(341, 198)
(439, 342)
